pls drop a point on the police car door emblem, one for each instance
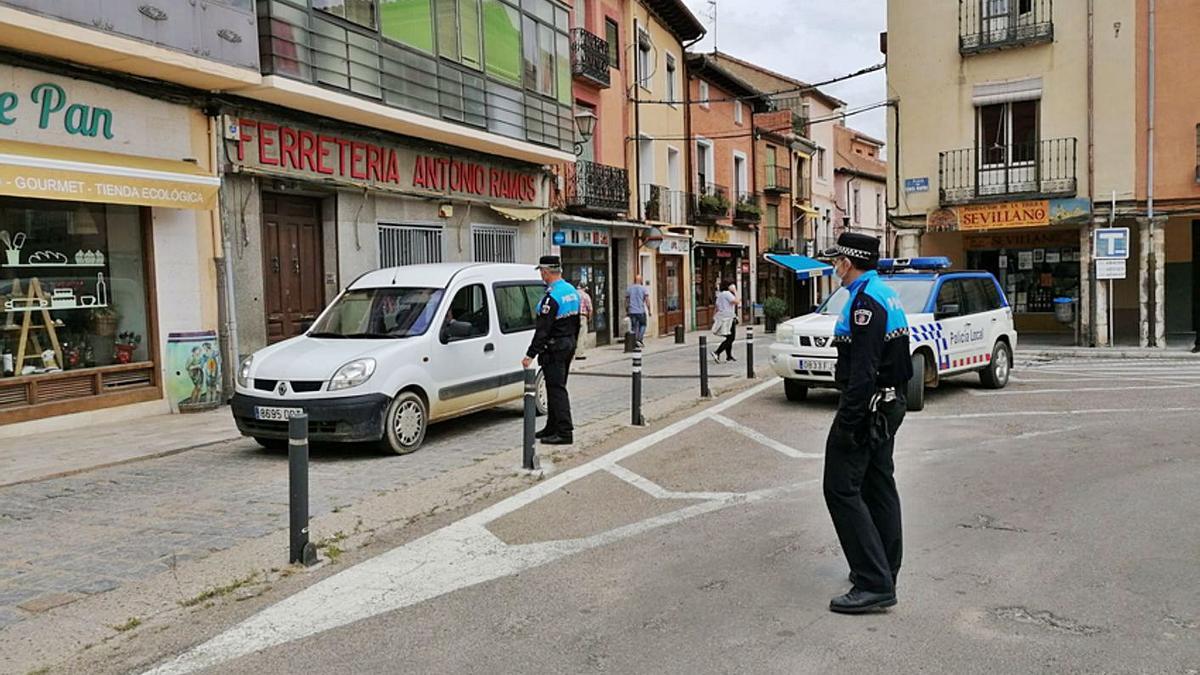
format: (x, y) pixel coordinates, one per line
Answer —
(862, 317)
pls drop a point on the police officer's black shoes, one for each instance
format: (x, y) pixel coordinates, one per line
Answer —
(543, 433)
(558, 440)
(858, 601)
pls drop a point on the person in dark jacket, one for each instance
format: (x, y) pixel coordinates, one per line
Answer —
(553, 345)
(873, 369)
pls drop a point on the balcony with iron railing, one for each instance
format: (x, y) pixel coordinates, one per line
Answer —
(1044, 168)
(589, 57)
(747, 208)
(710, 203)
(592, 188)
(987, 25)
(309, 46)
(777, 179)
(663, 205)
(779, 240)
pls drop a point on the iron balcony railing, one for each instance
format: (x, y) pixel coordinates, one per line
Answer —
(590, 186)
(985, 25)
(663, 205)
(747, 208)
(303, 44)
(1041, 168)
(589, 57)
(778, 179)
(710, 203)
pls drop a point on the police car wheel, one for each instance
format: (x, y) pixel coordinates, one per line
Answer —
(915, 394)
(542, 400)
(272, 443)
(995, 375)
(794, 390)
(405, 424)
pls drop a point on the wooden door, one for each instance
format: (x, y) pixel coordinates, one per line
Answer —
(293, 264)
(670, 293)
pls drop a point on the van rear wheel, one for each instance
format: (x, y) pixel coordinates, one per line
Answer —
(915, 394)
(542, 400)
(404, 424)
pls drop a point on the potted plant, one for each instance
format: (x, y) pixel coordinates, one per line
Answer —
(104, 321)
(774, 310)
(126, 344)
(713, 205)
(747, 212)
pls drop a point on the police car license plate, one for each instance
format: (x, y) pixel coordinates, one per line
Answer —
(272, 414)
(820, 365)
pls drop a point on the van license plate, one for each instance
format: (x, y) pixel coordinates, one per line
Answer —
(271, 414)
(818, 365)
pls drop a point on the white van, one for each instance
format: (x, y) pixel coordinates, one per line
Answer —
(398, 349)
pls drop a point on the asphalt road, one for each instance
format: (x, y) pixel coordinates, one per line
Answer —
(1052, 526)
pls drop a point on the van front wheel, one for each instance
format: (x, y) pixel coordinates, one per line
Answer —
(405, 424)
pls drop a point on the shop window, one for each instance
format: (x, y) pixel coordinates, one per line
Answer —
(408, 22)
(517, 305)
(409, 245)
(361, 12)
(502, 41)
(72, 290)
(495, 244)
(586, 267)
(467, 317)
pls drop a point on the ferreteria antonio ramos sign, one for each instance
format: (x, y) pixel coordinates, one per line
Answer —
(285, 149)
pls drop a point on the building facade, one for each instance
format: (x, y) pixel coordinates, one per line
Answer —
(860, 180)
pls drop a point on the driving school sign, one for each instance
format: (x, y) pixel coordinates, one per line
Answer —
(300, 152)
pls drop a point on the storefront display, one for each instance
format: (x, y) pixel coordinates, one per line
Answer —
(586, 266)
(715, 266)
(1033, 268)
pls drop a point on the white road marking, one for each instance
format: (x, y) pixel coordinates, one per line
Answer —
(1046, 413)
(659, 492)
(764, 439)
(927, 455)
(457, 556)
(1076, 390)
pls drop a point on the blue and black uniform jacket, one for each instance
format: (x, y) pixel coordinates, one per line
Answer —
(872, 344)
(557, 320)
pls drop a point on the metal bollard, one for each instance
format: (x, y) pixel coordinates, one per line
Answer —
(529, 460)
(750, 352)
(636, 413)
(704, 391)
(679, 335)
(301, 549)
(630, 342)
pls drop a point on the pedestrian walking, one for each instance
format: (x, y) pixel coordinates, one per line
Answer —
(637, 298)
(873, 369)
(553, 345)
(585, 316)
(725, 321)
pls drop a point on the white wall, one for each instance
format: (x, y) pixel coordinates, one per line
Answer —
(177, 274)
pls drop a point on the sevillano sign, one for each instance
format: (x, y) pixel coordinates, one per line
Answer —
(317, 155)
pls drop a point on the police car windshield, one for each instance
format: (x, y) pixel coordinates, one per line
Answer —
(914, 295)
(374, 313)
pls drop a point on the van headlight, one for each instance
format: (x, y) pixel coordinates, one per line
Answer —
(243, 378)
(352, 374)
(785, 332)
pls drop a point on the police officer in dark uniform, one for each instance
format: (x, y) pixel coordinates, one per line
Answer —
(553, 346)
(873, 369)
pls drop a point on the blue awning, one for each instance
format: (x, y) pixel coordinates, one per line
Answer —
(804, 266)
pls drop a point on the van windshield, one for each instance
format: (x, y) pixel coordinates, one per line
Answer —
(914, 294)
(379, 313)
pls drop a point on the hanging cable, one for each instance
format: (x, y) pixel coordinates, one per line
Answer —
(799, 89)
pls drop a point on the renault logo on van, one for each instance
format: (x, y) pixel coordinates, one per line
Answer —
(282, 388)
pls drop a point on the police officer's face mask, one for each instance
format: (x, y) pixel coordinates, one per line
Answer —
(841, 267)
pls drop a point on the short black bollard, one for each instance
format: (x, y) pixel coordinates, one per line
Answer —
(636, 417)
(704, 391)
(750, 351)
(630, 342)
(529, 460)
(301, 549)
(679, 335)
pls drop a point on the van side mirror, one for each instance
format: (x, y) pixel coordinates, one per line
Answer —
(457, 330)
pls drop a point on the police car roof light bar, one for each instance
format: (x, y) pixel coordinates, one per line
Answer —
(923, 263)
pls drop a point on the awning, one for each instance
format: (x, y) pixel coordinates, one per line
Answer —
(520, 213)
(808, 209)
(569, 219)
(804, 266)
(53, 172)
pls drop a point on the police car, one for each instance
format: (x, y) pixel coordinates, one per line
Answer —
(959, 322)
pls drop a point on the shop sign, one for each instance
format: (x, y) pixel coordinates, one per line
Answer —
(675, 246)
(1017, 240)
(318, 155)
(594, 237)
(1006, 215)
(717, 235)
(746, 267)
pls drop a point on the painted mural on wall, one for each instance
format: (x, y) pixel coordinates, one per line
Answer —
(194, 371)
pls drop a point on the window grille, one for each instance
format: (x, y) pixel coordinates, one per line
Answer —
(495, 244)
(409, 245)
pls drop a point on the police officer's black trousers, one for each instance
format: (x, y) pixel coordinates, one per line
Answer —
(860, 491)
(556, 366)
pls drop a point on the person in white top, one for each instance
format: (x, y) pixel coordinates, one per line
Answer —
(725, 321)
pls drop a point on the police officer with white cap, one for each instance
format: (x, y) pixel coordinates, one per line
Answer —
(553, 345)
(873, 369)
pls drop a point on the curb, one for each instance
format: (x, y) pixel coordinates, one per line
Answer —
(1108, 353)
